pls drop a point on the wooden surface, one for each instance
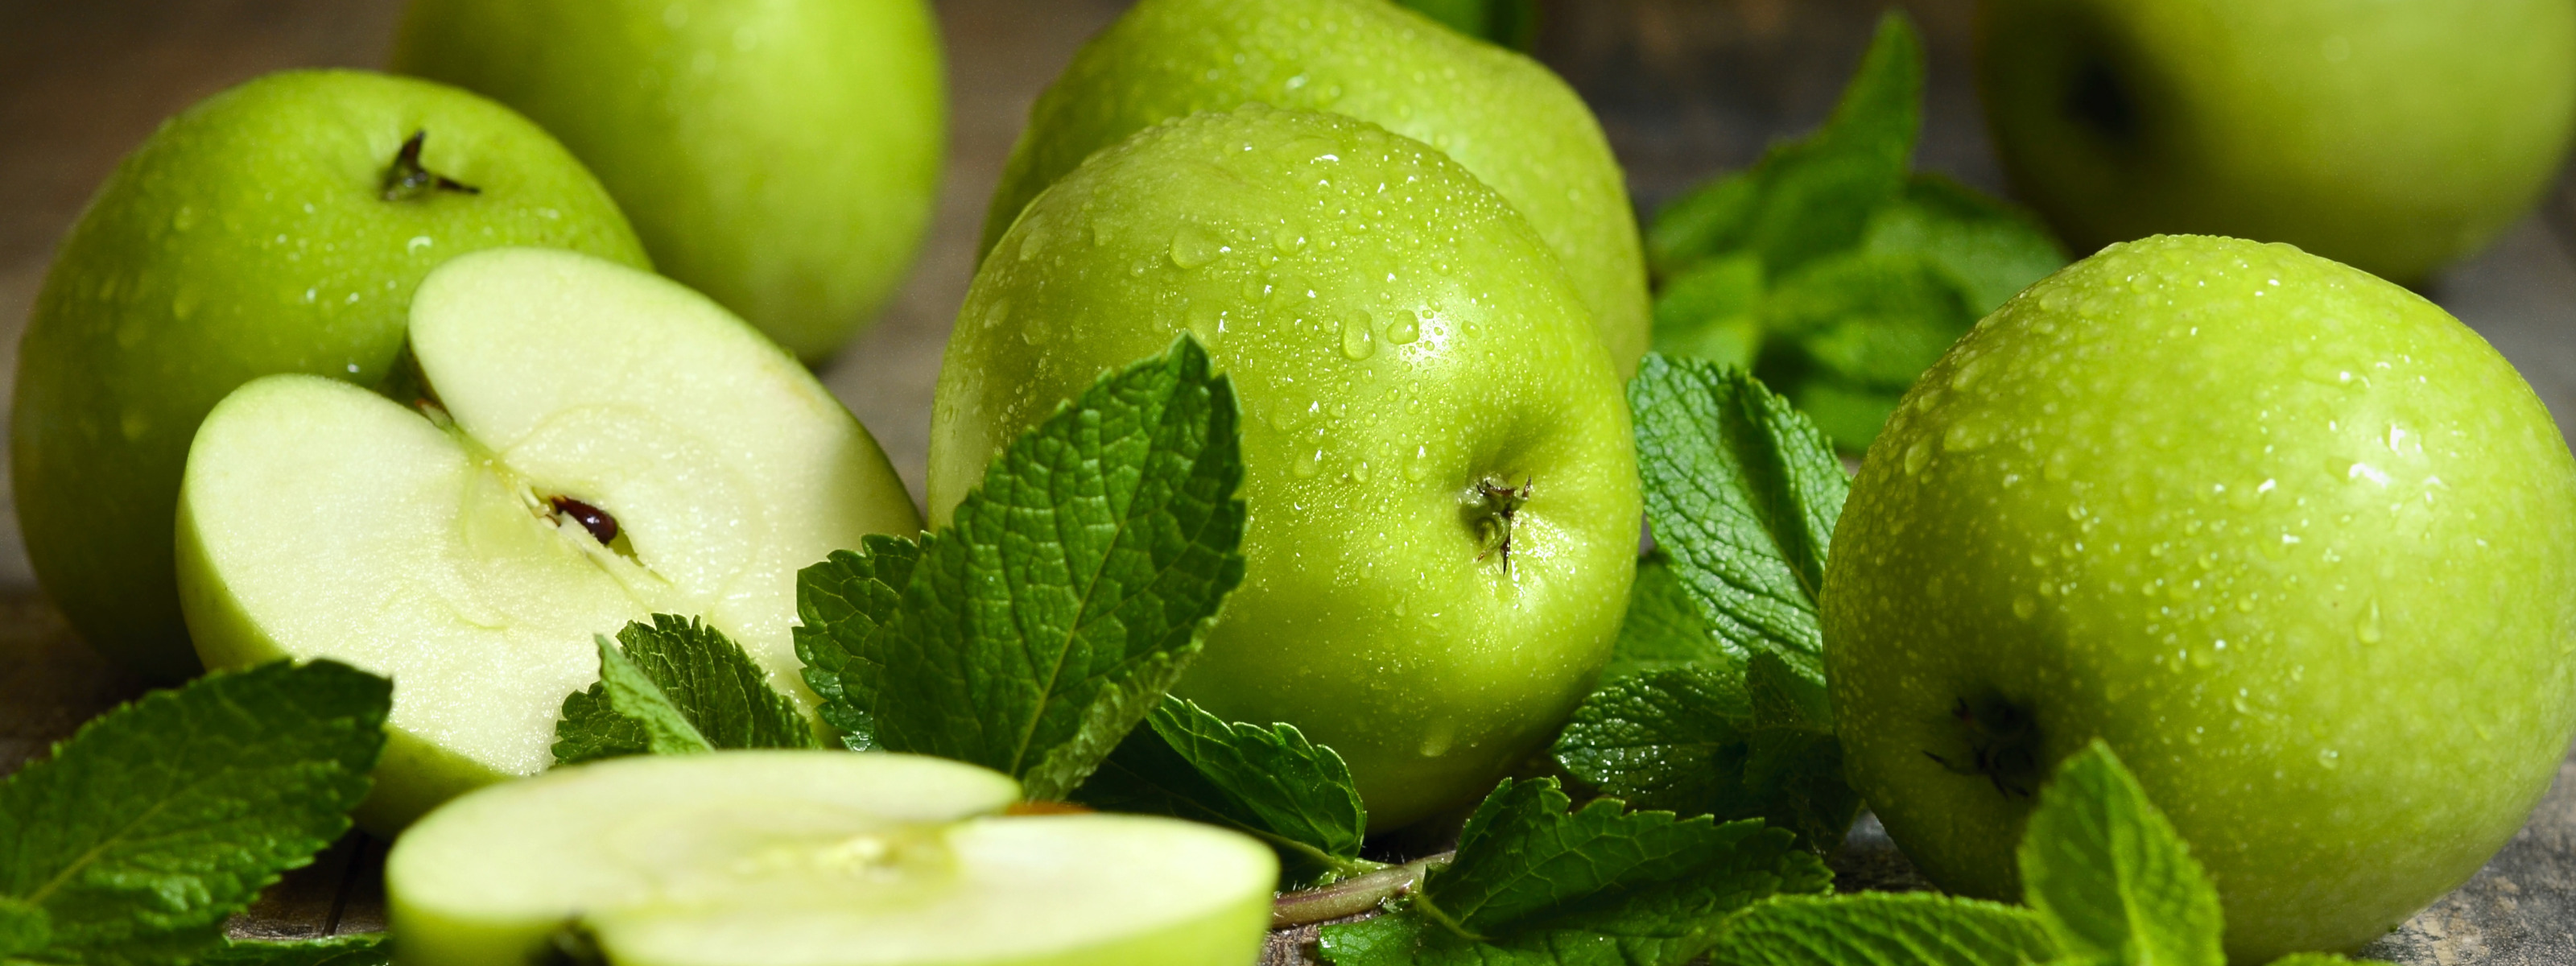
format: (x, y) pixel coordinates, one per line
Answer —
(1685, 88)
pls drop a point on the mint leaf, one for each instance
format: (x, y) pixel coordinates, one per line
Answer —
(1664, 627)
(2108, 875)
(1536, 881)
(1870, 318)
(1882, 929)
(1987, 250)
(1270, 783)
(370, 949)
(840, 604)
(1711, 311)
(1036, 630)
(1809, 197)
(24, 928)
(158, 819)
(677, 686)
(1506, 23)
(1728, 742)
(1742, 493)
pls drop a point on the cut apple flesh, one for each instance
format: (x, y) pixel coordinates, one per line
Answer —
(457, 548)
(812, 858)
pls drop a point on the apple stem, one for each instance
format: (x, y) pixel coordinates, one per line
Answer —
(407, 180)
(1498, 502)
(1352, 896)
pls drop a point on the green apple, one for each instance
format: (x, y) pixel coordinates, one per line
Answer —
(603, 445)
(275, 227)
(1501, 115)
(1441, 485)
(814, 858)
(2295, 542)
(782, 157)
(2393, 135)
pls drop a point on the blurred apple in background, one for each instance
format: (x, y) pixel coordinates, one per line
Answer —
(1503, 117)
(782, 158)
(2392, 135)
(276, 227)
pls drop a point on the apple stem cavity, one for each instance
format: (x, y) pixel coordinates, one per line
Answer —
(573, 945)
(1491, 508)
(2100, 102)
(2003, 746)
(602, 527)
(1352, 896)
(406, 180)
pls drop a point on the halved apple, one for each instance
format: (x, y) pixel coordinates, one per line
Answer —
(595, 444)
(814, 858)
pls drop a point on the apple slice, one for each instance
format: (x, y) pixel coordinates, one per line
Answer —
(611, 445)
(807, 858)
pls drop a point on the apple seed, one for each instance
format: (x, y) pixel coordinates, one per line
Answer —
(601, 526)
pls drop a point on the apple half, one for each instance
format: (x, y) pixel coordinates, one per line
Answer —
(591, 445)
(814, 858)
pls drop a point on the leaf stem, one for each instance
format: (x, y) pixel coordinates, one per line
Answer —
(1351, 897)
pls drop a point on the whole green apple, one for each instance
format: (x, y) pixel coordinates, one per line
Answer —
(587, 445)
(780, 157)
(1499, 114)
(2295, 542)
(1438, 470)
(2393, 135)
(279, 226)
(815, 858)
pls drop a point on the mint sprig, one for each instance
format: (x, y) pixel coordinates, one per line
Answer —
(1537, 881)
(1884, 929)
(144, 830)
(1039, 627)
(676, 686)
(1831, 270)
(1270, 783)
(2105, 880)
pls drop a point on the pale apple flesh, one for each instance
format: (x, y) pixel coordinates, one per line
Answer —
(1405, 349)
(453, 548)
(2291, 539)
(815, 858)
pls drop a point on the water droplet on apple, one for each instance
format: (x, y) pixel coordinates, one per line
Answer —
(1357, 343)
(2329, 757)
(1403, 328)
(133, 423)
(1308, 464)
(183, 219)
(1193, 246)
(1419, 466)
(2367, 630)
(183, 304)
(1917, 455)
(2024, 606)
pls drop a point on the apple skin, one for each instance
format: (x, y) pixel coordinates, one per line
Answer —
(782, 158)
(2392, 135)
(248, 236)
(1391, 351)
(1501, 115)
(2295, 542)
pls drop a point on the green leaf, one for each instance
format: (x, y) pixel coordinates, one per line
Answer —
(678, 686)
(1742, 493)
(1270, 783)
(1813, 196)
(1728, 742)
(1989, 251)
(1712, 312)
(370, 949)
(1036, 630)
(1882, 929)
(1536, 881)
(1664, 627)
(840, 603)
(1868, 318)
(158, 819)
(1506, 23)
(2109, 876)
(24, 927)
